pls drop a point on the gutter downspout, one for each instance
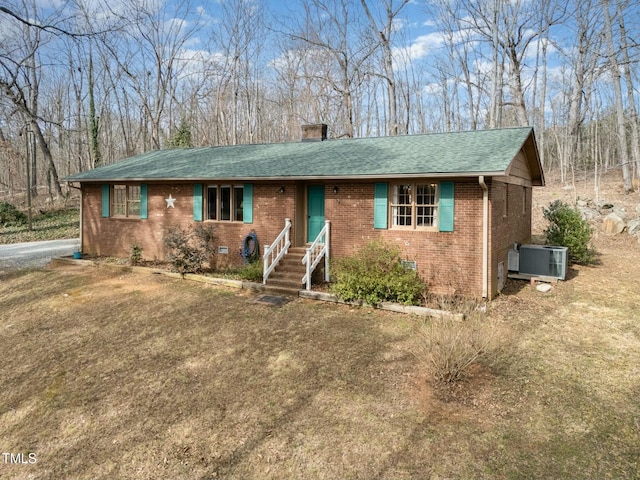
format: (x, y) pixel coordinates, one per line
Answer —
(79, 188)
(485, 237)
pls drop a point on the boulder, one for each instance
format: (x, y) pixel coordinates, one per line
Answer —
(588, 213)
(613, 224)
(620, 211)
(633, 227)
(638, 209)
(582, 203)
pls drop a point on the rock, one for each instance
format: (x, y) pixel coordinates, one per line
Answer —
(544, 287)
(605, 205)
(582, 203)
(621, 212)
(613, 224)
(638, 209)
(633, 227)
(588, 213)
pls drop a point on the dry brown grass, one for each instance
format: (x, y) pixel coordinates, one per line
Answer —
(108, 374)
(111, 375)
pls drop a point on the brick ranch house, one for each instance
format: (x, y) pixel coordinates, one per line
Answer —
(454, 203)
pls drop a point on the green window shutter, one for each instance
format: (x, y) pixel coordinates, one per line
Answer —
(144, 204)
(105, 199)
(380, 202)
(445, 211)
(197, 202)
(247, 203)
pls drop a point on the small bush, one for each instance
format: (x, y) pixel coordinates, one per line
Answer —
(567, 228)
(448, 347)
(135, 254)
(10, 215)
(252, 271)
(375, 274)
(189, 249)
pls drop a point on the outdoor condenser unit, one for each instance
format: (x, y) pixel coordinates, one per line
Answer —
(543, 260)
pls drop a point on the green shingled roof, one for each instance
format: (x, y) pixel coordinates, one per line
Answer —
(487, 152)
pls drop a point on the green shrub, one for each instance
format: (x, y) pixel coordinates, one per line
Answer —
(567, 228)
(189, 249)
(375, 274)
(10, 215)
(252, 271)
(135, 254)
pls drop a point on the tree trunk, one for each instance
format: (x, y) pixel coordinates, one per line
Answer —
(617, 89)
(93, 121)
(384, 39)
(626, 69)
(44, 148)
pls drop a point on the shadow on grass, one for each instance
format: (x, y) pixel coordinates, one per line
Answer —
(189, 382)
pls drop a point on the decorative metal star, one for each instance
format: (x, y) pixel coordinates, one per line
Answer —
(170, 201)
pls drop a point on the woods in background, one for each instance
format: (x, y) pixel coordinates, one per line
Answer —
(86, 83)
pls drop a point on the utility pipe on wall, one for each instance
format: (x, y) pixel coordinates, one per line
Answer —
(79, 188)
(485, 237)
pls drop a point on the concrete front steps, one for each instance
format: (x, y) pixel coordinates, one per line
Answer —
(287, 276)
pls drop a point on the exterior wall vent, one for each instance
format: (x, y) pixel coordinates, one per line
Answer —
(543, 260)
(408, 264)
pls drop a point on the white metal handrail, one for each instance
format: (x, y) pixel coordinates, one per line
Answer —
(318, 249)
(273, 253)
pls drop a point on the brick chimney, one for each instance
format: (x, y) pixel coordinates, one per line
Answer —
(314, 133)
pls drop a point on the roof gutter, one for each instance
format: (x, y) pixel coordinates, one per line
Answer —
(485, 237)
(292, 177)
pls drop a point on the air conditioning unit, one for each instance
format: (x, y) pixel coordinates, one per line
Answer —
(543, 260)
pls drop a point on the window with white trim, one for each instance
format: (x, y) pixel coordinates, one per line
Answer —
(414, 205)
(225, 203)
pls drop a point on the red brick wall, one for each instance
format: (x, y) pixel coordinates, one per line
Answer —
(449, 261)
(114, 237)
(507, 229)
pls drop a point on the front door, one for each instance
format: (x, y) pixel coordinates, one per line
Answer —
(315, 211)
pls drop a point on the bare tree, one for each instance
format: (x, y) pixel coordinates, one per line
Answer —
(148, 51)
(509, 28)
(232, 89)
(383, 30)
(614, 70)
(584, 59)
(332, 27)
(626, 70)
(20, 74)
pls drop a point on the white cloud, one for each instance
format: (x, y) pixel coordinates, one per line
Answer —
(192, 62)
(420, 48)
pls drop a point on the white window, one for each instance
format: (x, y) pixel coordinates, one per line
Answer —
(414, 205)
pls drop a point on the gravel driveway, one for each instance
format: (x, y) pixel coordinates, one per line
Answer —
(35, 254)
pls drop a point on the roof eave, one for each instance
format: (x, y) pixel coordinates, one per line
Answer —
(532, 154)
(292, 177)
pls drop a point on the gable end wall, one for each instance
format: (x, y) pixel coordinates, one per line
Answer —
(505, 230)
